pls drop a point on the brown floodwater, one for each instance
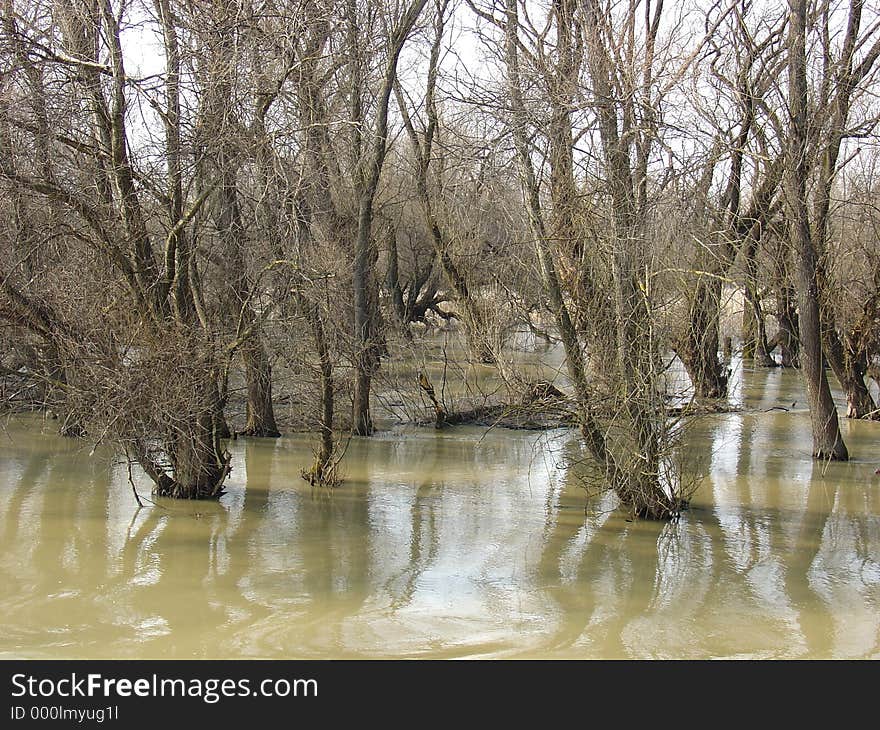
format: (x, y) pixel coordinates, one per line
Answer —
(461, 543)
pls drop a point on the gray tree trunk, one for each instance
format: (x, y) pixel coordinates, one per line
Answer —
(827, 440)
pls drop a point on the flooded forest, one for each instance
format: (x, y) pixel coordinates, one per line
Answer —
(440, 328)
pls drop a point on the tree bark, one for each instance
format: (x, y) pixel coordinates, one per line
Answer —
(699, 352)
(322, 471)
(827, 440)
(637, 489)
(849, 367)
(231, 227)
(754, 327)
(258, 375)
(366, 336)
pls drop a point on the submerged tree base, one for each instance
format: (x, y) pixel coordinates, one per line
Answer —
(324, 473)
(188, 474)
(173, 489)
(835, 454)
(667, 511)
(318, 477)
(862, 407)
(257, 432)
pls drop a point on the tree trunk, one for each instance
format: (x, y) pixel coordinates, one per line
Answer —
(322, 471)
(392, 281)
(367, 340)
(787, 336)
(850, 369)
(198, 462)
(754, 329)
(230, 224)
(364, 358)
(258, 373)
(196, 465)
(640, 485)
(54, 397)
(699, 352)
(827, 440)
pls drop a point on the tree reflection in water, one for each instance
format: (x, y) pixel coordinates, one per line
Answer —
(453, 543)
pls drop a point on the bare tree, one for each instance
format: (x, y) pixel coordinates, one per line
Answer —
(221, 139)
(827, 440)
(423, 146)
(631, 445)
(146, 367)
(366, 184)
(843, 75)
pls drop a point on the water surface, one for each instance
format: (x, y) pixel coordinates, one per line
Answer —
(460, 543)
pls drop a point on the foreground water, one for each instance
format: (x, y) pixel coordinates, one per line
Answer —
(462, 543)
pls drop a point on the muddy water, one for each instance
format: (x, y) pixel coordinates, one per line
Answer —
(462, 543)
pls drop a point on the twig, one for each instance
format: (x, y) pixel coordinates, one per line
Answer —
(131, 481)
